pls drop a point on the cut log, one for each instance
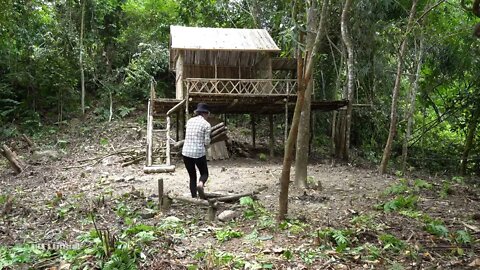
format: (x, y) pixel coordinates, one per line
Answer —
(218, 131)
(217, 126)
(232, 198)
(13, 159)
(194, 201)
(159, 169)
(219, 137)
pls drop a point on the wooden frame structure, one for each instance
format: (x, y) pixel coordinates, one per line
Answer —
(235, 71)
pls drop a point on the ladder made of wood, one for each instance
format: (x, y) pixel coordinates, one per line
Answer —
(158, 142)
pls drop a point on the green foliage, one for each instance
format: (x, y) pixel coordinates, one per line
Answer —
(421, 184)
(253, 208)
(390, 242)
(463, 237)
(293, 226)
(19, 254)
(341, 238)
(399, 188)
(227, 234)
(400, 203)
(436, 227)
(262, 157)
(446, 190)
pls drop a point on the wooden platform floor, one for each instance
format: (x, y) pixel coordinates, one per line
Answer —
(258, 104)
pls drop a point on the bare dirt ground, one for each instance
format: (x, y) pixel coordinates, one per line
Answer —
(53, 197)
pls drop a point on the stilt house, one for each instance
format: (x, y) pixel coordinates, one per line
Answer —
(234, 71)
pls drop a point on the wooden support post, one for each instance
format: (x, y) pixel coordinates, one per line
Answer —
(160, 193)
(168, 141)
(254, 131)
(272, 138)
(13, 159)
(212, 211)
(180, 93)
(286, 120)
(149, 133)
(177, 129)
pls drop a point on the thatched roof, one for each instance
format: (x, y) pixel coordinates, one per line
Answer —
(221, 39)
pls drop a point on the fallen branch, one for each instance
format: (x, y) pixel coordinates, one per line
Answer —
(136, 160)
(12, 158)
(28, 141)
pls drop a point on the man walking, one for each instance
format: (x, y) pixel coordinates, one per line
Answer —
(197, 139)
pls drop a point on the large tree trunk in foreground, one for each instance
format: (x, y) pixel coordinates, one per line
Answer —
(301, 156)
(395, 92)
(347, 40)
(411, 108)
(472, 127)
(292, 135)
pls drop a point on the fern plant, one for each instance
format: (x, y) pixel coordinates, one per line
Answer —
(436, 227)
(391, 242)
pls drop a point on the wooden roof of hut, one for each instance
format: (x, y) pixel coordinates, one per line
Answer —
(230, 47)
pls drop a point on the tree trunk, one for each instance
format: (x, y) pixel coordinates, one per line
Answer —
(395, 92)
(255, 12)
(351, 77)
(292, 136)
(301, 160)
(82, 74)
(472, 127)
(411, 108)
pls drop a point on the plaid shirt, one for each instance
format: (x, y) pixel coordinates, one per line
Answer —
(197, 137)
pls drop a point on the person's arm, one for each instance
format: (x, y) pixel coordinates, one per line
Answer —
(208, 130)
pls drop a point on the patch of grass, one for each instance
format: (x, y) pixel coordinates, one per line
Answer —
(262, 157)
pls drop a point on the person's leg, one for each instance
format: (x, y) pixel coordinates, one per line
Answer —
(192, 173)
(203, 168)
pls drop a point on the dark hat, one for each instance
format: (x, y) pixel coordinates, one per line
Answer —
(201, 108)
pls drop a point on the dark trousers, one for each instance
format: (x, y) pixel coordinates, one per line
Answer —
(201, 164)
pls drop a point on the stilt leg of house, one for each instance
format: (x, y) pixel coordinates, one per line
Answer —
(254, 131)
(286, 120)
(272, 139)
(177, 127)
